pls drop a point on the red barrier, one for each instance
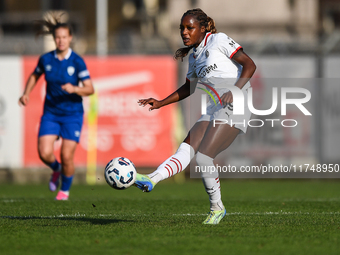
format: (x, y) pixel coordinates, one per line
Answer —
(124, 128)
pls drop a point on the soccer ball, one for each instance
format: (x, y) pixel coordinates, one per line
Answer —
(120, 173)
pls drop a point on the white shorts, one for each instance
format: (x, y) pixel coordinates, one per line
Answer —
(224, 115)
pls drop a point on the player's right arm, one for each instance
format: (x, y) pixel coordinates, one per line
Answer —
(30, 84)
(178, 95)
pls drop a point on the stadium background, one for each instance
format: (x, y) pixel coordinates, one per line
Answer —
(128, 47)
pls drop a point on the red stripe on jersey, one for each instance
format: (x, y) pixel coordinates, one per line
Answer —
(171, 169)
(206, 38)
(231, 56)
(175, 164)
(179, 162)
(216, 179)
(168, 171)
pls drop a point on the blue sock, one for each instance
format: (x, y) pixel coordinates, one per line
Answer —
(66, 182)
(55, 166)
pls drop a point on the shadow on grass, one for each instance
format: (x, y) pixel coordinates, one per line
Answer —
(94, 221)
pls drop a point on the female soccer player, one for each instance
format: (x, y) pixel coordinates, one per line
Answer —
(63, 108)
(216, 58)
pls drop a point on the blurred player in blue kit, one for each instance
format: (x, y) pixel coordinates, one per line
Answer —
(63, 108)
(216, 58)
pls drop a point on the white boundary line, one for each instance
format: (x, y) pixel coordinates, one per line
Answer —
(11, 200)
(80, 215)
(332, 199)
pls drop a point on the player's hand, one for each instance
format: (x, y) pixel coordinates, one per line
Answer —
(227, 98)
(69, 88)
(155, 104)
(23, 100)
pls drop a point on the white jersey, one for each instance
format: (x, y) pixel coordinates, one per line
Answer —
(212, 61)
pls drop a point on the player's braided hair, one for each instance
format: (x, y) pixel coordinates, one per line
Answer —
(51, 23)
(204, 21)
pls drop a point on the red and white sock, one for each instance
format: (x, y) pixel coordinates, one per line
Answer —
(211, 181)
(174, 164)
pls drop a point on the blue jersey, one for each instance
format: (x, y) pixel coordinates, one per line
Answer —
(71, 69)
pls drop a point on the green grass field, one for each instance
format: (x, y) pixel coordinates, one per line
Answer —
(263, 217)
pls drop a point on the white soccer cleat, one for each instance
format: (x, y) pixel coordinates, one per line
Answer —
(215, 217)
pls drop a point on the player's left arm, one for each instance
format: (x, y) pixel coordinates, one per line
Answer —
(248, 70)
(86, 90)
(84, 76)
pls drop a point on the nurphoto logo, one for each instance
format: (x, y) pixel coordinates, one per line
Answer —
(238, 105)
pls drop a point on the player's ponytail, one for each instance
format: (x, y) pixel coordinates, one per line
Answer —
(51, 23)
(211, 26)
(204, 21)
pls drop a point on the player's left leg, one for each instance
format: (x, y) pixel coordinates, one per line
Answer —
(216, 140)
(70, 132)
(68, 149)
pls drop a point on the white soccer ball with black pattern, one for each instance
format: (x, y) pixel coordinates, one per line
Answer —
(120, 173)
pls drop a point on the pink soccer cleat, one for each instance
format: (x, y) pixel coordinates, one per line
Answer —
(61, 196)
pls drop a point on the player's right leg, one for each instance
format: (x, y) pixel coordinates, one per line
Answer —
(177, 162)
(45, 150)
(48, 134)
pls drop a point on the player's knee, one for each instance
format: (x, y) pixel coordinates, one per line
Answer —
(45, 154)
(66, 158)
(186, 150)
(203, 160)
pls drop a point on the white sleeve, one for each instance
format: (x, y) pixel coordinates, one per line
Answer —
(191, 75)
(227, 45)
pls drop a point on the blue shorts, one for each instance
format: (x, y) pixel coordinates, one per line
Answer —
(67, 127)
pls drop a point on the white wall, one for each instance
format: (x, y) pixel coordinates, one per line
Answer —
(11, 115)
